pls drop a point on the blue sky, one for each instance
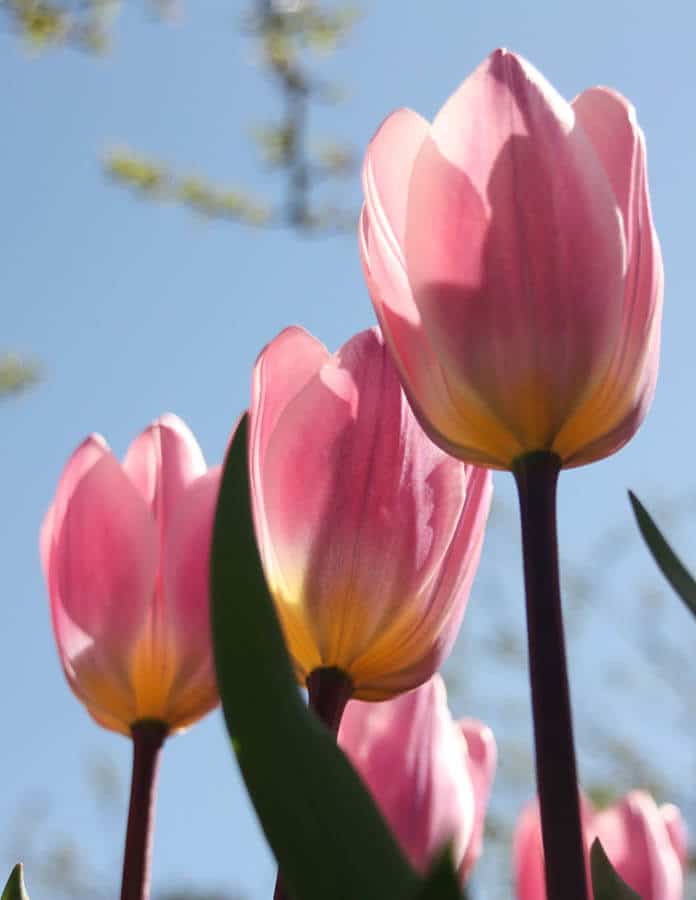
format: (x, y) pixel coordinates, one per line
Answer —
(137, 308)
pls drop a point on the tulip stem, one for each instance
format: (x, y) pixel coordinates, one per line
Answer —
(329, 689)
(536, 475)
(148, 737)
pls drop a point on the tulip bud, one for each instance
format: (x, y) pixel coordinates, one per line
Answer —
(430, 776)
(514, 268)
(125, 553)
(369, 535)
(645, 843)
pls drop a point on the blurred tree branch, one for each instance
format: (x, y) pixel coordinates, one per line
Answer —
(287, 33)
(83, 24)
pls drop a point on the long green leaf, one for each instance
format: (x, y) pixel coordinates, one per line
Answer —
(670, 565)
(606, 884)
(14, 889)
(442, 881)
(324, 829)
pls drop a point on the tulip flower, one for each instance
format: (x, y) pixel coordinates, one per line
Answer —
(645, 843)
(430, 776)
(369, 535)
(124, 552)
(513, 264)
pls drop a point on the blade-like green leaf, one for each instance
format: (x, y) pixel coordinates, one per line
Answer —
(606, 884)
(671, 566)
(324, 829)
(442, 881)
(14, 889)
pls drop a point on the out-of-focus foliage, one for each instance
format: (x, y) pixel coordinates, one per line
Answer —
(16, 374)
(84, 24)
(289, 35)
(154, 179)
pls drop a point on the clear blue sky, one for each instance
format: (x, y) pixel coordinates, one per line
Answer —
(135, 309)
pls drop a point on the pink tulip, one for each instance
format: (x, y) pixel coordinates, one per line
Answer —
(369, 535)
(645, 843)
(125, 553)
(513, 264)
(431, 777)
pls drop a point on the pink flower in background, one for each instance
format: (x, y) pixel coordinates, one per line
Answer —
(368, 533)
(645, 843)
(513, 264)
(430, 776)
(125, 554)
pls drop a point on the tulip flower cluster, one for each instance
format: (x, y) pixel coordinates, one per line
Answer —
(646, 843)
(517, 278)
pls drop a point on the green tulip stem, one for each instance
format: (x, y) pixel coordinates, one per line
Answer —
(148, 736)
(329, 690)
(536, 475)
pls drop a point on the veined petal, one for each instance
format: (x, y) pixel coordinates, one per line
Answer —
(613, 412)
(162, 461)
(105, 557)
(385, 175)
(90, 451)
(440, 408)
(102, 579)
(186, 608)
(415, 646)
(283, 369)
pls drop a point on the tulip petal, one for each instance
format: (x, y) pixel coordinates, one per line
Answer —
(46, 541)
(676, 829)
(186, 589)
(636, 840)
(528, 855)
(90, 451)
(434, 402)
(105, 557)
(420, 648)
(621, 401)
(162, 461)
(482, 758)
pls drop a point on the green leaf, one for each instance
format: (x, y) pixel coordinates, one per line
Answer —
(606, 884)
(442, 881)
(670, 565)
(322, 825)
(14, 889)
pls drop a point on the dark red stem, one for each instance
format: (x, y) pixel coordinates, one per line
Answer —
(537, 475)
(148, 737)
